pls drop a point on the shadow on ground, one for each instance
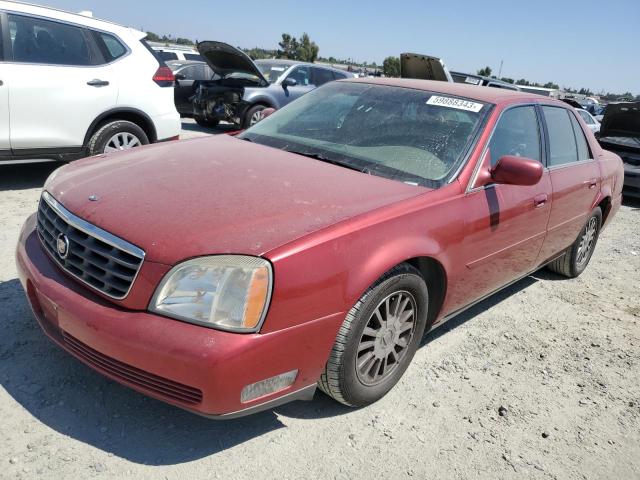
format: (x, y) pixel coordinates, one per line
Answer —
(25, 175)
(72, 399)
(221, 128)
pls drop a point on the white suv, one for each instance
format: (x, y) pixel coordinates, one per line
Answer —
(72, 86)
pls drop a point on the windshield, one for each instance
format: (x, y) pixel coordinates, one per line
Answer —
(272, 70)
(413, 136)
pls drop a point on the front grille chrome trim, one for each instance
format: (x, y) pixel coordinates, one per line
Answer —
(98, 234)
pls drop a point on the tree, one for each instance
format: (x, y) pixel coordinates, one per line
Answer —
(183, 41)
(153, 37)
(508, 80)
(307, 49)
(288, 47)
(485, 72)
(391, 67)
(551, 85)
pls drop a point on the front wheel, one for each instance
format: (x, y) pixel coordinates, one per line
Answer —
(253, 116)
(577, 256)
(378, 339)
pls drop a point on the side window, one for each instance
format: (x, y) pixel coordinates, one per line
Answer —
(562, 140)
(193, 72)
(517, 133)
(581, 141)
(339, 75)
(110, 46)
(322, 76)
(302, 75)
(40, 41)
(166, 56)
(586, 117)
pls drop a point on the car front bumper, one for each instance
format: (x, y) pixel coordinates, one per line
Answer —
(196, 368)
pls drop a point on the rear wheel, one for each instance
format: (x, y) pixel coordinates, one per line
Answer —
(204, 122)
(116, 136)
(577, 256)
(378, 339)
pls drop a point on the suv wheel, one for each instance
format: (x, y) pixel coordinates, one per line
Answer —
(378, 339)
(115, 136)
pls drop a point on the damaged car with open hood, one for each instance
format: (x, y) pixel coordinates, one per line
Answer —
(242, 88)
(620, 133)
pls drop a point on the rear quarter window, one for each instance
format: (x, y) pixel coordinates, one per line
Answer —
(110, 47)
(167, 55)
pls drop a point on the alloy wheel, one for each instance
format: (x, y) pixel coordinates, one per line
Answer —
(122, 141)
(587, 241)
(386, 338)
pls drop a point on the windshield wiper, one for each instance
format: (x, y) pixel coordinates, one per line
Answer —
(322, 158)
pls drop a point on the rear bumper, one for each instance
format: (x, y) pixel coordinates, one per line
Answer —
(195, 368)
(168, 126)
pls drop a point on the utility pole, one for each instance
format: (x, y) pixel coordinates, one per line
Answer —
(500, 70)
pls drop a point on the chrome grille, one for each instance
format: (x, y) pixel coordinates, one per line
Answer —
(94, 256)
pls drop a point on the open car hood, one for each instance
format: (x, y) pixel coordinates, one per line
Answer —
(226, 60)
(621, 120)
(423, 67)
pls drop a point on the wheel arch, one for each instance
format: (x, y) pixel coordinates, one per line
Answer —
(132, 115)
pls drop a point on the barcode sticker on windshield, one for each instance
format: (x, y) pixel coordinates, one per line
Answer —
(455, 103)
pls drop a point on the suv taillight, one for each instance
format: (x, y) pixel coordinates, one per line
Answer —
(164, 77)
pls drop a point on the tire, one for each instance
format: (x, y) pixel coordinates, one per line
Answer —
(574, 261)
(101, 140)
(247, 120)
(342, 379)
(203, 122)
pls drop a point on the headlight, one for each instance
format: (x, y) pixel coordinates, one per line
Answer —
(229, 292)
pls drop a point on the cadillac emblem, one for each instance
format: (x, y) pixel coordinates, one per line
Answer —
(62, 246)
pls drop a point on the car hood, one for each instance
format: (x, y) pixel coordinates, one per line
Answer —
(226, 60)
(423, 67)
(621, 124)
(216, 195)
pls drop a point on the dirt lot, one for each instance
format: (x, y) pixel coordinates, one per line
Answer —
(540, 381)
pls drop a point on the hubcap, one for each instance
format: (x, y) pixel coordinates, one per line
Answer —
(255, 118)
(122, 141)
(587, 241)
(386, 337)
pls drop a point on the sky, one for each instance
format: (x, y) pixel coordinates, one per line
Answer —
(574, 43)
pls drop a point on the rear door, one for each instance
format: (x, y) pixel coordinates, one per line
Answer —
(184, 88)
(5, 146)
(58, 83)
(575, 178)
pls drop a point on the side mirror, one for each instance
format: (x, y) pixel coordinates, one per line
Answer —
(514, 170)
(180, 76)
(289, 82)
(267, 111)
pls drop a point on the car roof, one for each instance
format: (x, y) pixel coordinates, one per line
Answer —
(297, 62)
(484, 94)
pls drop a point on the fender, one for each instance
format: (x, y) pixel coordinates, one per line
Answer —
(121, 110)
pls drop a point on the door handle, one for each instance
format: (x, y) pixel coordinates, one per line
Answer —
(97, 83)
(540, 201)
(592, 183)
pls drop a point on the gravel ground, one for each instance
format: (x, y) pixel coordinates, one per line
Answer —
(540, 381)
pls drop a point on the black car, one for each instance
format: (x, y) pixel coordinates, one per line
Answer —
(188, 75)
(620, 133)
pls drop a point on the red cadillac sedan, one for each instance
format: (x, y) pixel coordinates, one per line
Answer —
(231, 274)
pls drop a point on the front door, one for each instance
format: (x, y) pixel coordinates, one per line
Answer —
(505, 225)
(304, 84)
(56, 88)
(575, 179)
